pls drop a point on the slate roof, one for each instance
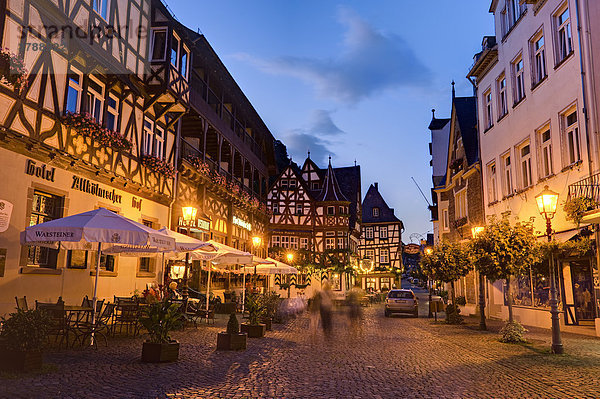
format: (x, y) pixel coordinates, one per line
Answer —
(349, 181)
(331, 189)
(466, 118)
(437, 124)
(373, 199)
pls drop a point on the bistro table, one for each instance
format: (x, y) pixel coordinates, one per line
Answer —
(79, 319)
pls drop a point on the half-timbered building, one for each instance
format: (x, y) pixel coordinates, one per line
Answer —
(380, 243)
(316, 218)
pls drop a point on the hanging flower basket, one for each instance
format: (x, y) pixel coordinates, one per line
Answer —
(201, 166)
(86, 125)
(12, 70)
(158, 165)
(575, 207)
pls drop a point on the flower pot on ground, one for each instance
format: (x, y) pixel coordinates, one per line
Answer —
(22, 340)
(256, 311)
(159, 319)
(232, 339)
(268, 322)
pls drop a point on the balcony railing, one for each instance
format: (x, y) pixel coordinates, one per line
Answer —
(588, 187)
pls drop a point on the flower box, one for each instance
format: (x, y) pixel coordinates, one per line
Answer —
(12, 70)
(254, 330)
(158, 165)
(86, 125)
(158, 353)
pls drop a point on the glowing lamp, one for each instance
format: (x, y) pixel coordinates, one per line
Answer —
(546, 202)
(290, 257)
(256, 241)
(475, 231)
(189, 213)
(428, 251)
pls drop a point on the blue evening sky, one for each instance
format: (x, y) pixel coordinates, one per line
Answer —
(352, 79)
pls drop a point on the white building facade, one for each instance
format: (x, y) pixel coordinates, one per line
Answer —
(536, 129)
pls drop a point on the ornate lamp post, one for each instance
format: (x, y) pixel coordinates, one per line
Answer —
(546, 202)
(475, 231)
(189, 215)
(428, 251)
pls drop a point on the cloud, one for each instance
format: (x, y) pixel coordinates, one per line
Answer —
(317, 137)
(370, 62)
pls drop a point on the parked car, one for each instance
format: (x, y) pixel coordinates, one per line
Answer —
(401, 301)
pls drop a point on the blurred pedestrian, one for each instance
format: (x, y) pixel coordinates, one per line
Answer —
(354, 310)
(314, 308)
(326, 308)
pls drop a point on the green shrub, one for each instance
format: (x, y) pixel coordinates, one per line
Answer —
(453, 315)
(160, 318)
(233, 327)
(25, 330)
(270, 302)
(513, 333)
(255, 309)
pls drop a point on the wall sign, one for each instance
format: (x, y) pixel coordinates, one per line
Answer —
(198, 223)
(5, 213)
(42, 171)
(89, 187)
(136, 203)
(242, 223)
(412, 249)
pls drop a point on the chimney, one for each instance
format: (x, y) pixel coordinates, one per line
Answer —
(376, 186)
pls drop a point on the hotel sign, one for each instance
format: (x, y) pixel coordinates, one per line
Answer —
(242, 223)
(89, 187)
(42, 171)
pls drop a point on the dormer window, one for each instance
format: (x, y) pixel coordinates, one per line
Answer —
(375, 212)
(292, 183)
(284, 184)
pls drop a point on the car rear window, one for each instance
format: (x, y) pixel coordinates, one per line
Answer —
(400, 294)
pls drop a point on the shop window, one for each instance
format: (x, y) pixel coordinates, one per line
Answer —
(385, 283)
(275, 241)
(45, 207)
(336, 282)
(285, 241)
(303, 243)
(371, 284)
(146, 264)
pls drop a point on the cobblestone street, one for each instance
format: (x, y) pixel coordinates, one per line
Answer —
(390, 358)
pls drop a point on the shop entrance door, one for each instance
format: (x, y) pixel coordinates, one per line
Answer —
(582, 286)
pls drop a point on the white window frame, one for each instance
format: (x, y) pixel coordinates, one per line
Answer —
(538, 57)
(524, 152)
(504, 21)
(159, 142)
(487, 109)
(94, 99)
(303, 243)
(148, 136)
(164, 52)
(564, 36)
(518, 67)
(502, 95)
(330, 243)
(460, 201)
(383, 232)
(492, 179)
(113, 111)
(507, 175)
(546, 163)
(292, 184)
(571, 137)
(384, 255)
(275, 241)
(515, 10)
(369, 233)
(376, 212)
(294, 242)
(445, 220)
(285, 241)
(102, 8)
(370, 254)
(77, 87)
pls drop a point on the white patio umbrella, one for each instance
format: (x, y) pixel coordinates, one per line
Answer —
(99, 226)
(271, 266)
(228, 256)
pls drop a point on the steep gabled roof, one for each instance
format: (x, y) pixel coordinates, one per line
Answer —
(466, 118)
(373, 199)
(437, 124)
(331, 190)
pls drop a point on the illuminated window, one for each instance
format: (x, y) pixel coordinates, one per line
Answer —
(383, 232)
(492, 183)
(369, 233)
(525, 155)
(303, 243)
(45, 207)
(571, 137)
(384, 255)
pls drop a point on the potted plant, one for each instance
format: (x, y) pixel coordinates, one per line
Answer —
(232, 339)
(22, 340)
(575, 207)
(254, 328)
(160, 318)
(270, 305)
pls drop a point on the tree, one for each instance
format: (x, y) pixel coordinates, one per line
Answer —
(447, 262)
(501, 251)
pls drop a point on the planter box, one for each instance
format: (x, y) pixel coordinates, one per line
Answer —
(257, 331)
(20, 361)
(231, 342)
(156, 353)
(268, 322)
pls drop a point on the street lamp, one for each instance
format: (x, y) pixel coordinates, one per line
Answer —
(546, 202)
(189, 215)
(290, 257)
(475, 232)
(428, 251)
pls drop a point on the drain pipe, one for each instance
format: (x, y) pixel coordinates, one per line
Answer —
(583, 89)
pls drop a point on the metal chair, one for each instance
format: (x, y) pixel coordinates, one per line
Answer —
(22, 303)
(59, 325)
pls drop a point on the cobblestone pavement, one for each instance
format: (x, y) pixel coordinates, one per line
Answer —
(396, 357)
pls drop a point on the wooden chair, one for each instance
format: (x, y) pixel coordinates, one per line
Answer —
(22, 303)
